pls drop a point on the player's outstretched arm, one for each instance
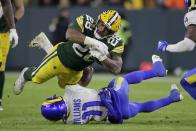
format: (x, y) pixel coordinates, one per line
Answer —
(87, 76)
(188, 44)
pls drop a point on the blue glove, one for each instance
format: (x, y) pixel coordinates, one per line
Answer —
(162, 45)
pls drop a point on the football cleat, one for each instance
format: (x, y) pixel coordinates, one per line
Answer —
(175, 93)
(156, 58)
(158, 66)
(19, 83)
(40, 41)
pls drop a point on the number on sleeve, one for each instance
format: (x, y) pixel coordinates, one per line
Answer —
(82, 52)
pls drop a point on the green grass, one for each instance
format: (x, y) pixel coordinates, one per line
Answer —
(22, 112)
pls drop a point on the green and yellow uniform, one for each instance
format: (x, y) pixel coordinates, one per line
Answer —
(77, 56)
(4, 40)
(68, 59)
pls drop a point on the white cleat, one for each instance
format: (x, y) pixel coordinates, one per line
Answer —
(19, 83)
(41, 41)
(156, 58)
(175, 93)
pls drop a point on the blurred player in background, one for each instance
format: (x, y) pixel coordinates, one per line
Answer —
(8, 34)
(111, 102)
(88, 41)
(188, 82)
(59, 24)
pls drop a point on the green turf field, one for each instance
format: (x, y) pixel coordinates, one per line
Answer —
(22, 113)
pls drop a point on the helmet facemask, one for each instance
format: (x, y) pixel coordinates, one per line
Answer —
(108, 23)
(102, 31)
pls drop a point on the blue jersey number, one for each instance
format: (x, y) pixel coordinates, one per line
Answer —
(91, 112)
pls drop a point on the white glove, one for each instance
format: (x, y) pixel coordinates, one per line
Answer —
(97, 54)
(13, 38)
(96, 44)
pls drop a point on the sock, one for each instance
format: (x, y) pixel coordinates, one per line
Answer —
(2, 80)
(149, 106)
(28, 74)
(158, 70)
(138, 76)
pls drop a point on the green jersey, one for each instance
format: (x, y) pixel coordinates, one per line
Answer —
(77, 56)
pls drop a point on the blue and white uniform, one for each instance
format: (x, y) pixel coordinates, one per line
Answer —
(190, 18)
(188, 81)
(81, 105)
(84, 104)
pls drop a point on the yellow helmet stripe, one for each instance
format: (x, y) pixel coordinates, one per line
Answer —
(52, 101)
(192, 3)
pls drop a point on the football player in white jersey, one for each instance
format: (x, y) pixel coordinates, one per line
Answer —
(188, 82)
(79, 105)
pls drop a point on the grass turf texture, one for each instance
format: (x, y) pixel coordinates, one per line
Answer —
(23, 112)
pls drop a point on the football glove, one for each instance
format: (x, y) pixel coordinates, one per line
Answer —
(162, 45)
(93, 43)
(98, 54)
(13, 38)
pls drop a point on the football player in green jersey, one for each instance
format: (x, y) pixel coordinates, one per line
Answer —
(8, 34)
(88, 41)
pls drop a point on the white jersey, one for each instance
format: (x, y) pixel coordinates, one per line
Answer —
(190, 18)
(84, 105)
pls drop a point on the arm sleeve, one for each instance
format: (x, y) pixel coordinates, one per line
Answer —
(182, 46)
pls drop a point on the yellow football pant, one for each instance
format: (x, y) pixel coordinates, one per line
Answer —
(4, 49)
(51, 66)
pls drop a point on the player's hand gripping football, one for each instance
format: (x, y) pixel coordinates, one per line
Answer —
(161, 46)
(99, 54)
(96, 44)
(13, 38)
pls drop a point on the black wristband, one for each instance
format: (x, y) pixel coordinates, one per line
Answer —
(15, 20)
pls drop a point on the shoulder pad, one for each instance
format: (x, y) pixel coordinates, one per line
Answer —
(117, 43)
(89, 18)
(85, 22)
(114, 40)
(190, 18)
